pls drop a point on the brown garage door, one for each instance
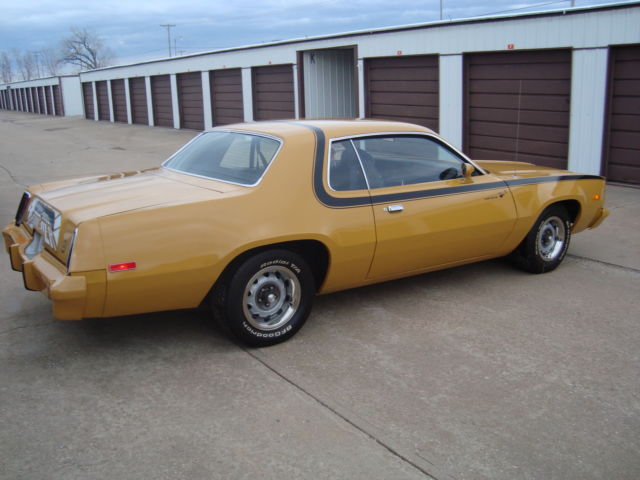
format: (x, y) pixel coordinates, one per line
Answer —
(273, 96)
(226, 96)
(87, 93)
(622, 149)
(138, 93)
(57, 98)
(403, 89)
(517, 106)
(102, 92)
(49, 100)
(119, 99)
(35, 92)
(31, 99)
(190, 100)
(161, 97)
(41, 100)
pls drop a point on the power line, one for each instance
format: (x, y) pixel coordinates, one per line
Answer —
(527, 7)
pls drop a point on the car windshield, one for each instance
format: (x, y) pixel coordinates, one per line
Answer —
(228, 156)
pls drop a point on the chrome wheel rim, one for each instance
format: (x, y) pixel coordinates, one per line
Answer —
(551, 238)
(271, 298)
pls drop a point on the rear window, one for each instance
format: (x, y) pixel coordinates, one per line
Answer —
(228, 156)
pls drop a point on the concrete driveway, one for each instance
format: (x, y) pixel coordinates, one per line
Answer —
(479, 372)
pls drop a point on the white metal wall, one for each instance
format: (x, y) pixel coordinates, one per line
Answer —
(329, 84)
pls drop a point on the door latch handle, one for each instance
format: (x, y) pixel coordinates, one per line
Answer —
(394, 208)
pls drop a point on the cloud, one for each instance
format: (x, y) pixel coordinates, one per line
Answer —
(132, 29)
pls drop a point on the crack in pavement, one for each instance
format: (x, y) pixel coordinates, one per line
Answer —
(602, 262)
(15, 180)
(13, 329)
(325, 405)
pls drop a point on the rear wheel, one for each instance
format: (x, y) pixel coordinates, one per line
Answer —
(268, 297)
(545, 246)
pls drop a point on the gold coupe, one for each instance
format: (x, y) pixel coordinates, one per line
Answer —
(256, 219)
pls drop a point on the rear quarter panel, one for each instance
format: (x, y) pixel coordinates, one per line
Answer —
(532, 199)
(181, 250)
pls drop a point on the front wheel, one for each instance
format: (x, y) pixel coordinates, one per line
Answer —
(545, 246)
(269, 297)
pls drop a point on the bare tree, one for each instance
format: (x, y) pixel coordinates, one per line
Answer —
(51, 59)
(6, 68)
(86, 50)
(26, 63)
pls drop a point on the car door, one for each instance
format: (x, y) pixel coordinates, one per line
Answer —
(427, 213)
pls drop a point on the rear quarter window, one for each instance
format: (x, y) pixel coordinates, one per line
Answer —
(233, 157)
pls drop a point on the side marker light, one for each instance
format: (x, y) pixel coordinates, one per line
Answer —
(121, 267)
(596, 196)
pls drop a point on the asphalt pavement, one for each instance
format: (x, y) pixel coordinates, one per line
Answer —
(478, 372)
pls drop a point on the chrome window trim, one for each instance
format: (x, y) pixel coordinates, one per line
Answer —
(227, 130)
(366, 180)
(435, 137)
(364, 172)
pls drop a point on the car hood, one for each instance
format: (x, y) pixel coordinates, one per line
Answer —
(96, 197)
(509, 170)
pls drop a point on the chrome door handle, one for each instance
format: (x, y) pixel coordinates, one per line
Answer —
(394, 208)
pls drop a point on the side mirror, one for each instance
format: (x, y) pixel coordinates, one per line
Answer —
(467, 170)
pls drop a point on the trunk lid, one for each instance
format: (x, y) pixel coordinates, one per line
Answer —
(109, 195)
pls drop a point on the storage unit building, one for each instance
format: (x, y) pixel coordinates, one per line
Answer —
(556, 88)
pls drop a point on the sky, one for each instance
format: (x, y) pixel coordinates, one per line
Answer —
(131, 28)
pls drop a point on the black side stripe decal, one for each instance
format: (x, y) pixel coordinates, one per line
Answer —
(559, 178)
(330, 201)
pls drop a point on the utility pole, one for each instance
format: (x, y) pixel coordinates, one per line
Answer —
(441, 9)
(168, 26)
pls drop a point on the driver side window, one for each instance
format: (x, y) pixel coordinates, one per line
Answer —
(394, 160)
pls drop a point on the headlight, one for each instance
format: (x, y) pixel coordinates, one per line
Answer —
(46, 220)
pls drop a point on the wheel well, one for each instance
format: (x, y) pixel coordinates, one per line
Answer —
(572, 207)
(314, 252)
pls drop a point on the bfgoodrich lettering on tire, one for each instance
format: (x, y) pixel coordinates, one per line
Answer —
(269, 297)
(545, 246)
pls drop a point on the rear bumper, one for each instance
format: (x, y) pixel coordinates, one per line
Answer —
(604, 213)
(44, 273)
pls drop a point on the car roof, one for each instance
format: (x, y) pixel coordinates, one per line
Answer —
(330, 128)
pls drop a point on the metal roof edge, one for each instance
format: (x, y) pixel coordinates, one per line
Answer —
(397, 28)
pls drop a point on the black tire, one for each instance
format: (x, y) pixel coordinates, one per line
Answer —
(546, 244)
(268, 298)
